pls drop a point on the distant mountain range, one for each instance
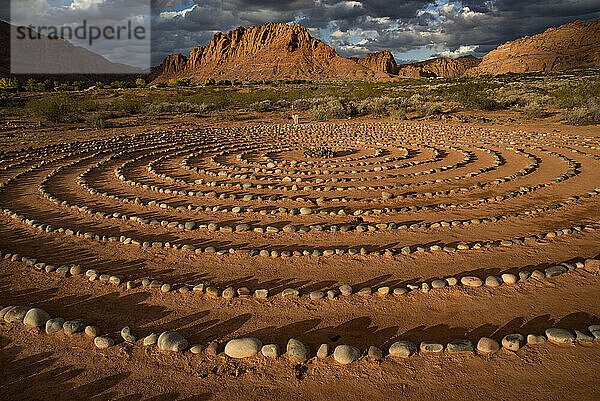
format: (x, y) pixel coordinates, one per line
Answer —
(288, 51)
(47, 57)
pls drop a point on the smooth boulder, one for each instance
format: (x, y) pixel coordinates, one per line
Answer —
(345, 354)
(172, 341)
(243, 347)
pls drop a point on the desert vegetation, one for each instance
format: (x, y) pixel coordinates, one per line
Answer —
(572, 97)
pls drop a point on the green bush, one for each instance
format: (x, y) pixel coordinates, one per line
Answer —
(97, 121)
(331, 109)
(472, 95)
(128, 104)
(61, 108)
(179, 82)
(9, 84)
(140, 83)
(579, 95)
(587, 115)
(263, 106)
(177, 107)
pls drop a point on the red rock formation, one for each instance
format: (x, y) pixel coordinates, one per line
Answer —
(381, 61)
(438, 67)
(270, 51)
(574, 45)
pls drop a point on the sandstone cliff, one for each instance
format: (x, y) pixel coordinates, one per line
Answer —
(270, 51)
(381, 61)
(574, 45)
(438, 67)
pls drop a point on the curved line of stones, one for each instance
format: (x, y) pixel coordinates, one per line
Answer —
(290, 228)
(296, 350)
(213, 291)
(573, 171)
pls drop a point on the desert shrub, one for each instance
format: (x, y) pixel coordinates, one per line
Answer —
(283, 103)
(9, 84)
(381, 106)
(329, 110)
(176, 107)
(97, 121)
(140, 83)
(128, 104)
(398, 114)
(512, 101)
(60, 108)
(179, 82)
(210, 82)
(118, 85)
(79, 85)
(579, 95)
(63, 87)
(586, 115)
(472, 95)
(302, 104)
(263, 106)
(535, 109)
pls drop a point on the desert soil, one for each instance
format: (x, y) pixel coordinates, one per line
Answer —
(35, 365)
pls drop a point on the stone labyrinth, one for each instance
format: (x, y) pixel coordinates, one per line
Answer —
(348, 241)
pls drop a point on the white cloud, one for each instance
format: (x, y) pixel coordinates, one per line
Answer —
(464, 50)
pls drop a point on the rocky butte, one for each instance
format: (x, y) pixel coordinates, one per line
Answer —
(574, 45)
(270, 51)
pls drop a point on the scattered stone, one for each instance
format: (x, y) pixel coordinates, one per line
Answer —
(452, 281)
(128, 335)
(345, 289)
(290, 292)
(75, 270)
(297, 350)
(270, 350)
(16, 314)
(559, 336)
(595, 330)
(487, 345)
(54, 325)
(402, 349)
(92, 331)
(261, 293)
(317, 295)
(400, 291)
(103, 342)
(438, 284)
(512, 341)
(323, 351)
(383, 291)
(345, 354)
(431, 346)
(212, 348)
(150, 339)
(582, 337)
(228, 293)
(165, 287)
(509, 278)
(196, 349)
(533, 339)
(36, 317)
(557, 270)
(538, 275)
(374, 353)
(243, 347)
(460, 345)
(75, 326)
(471, 281)
(172, 341)
(492, 281)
